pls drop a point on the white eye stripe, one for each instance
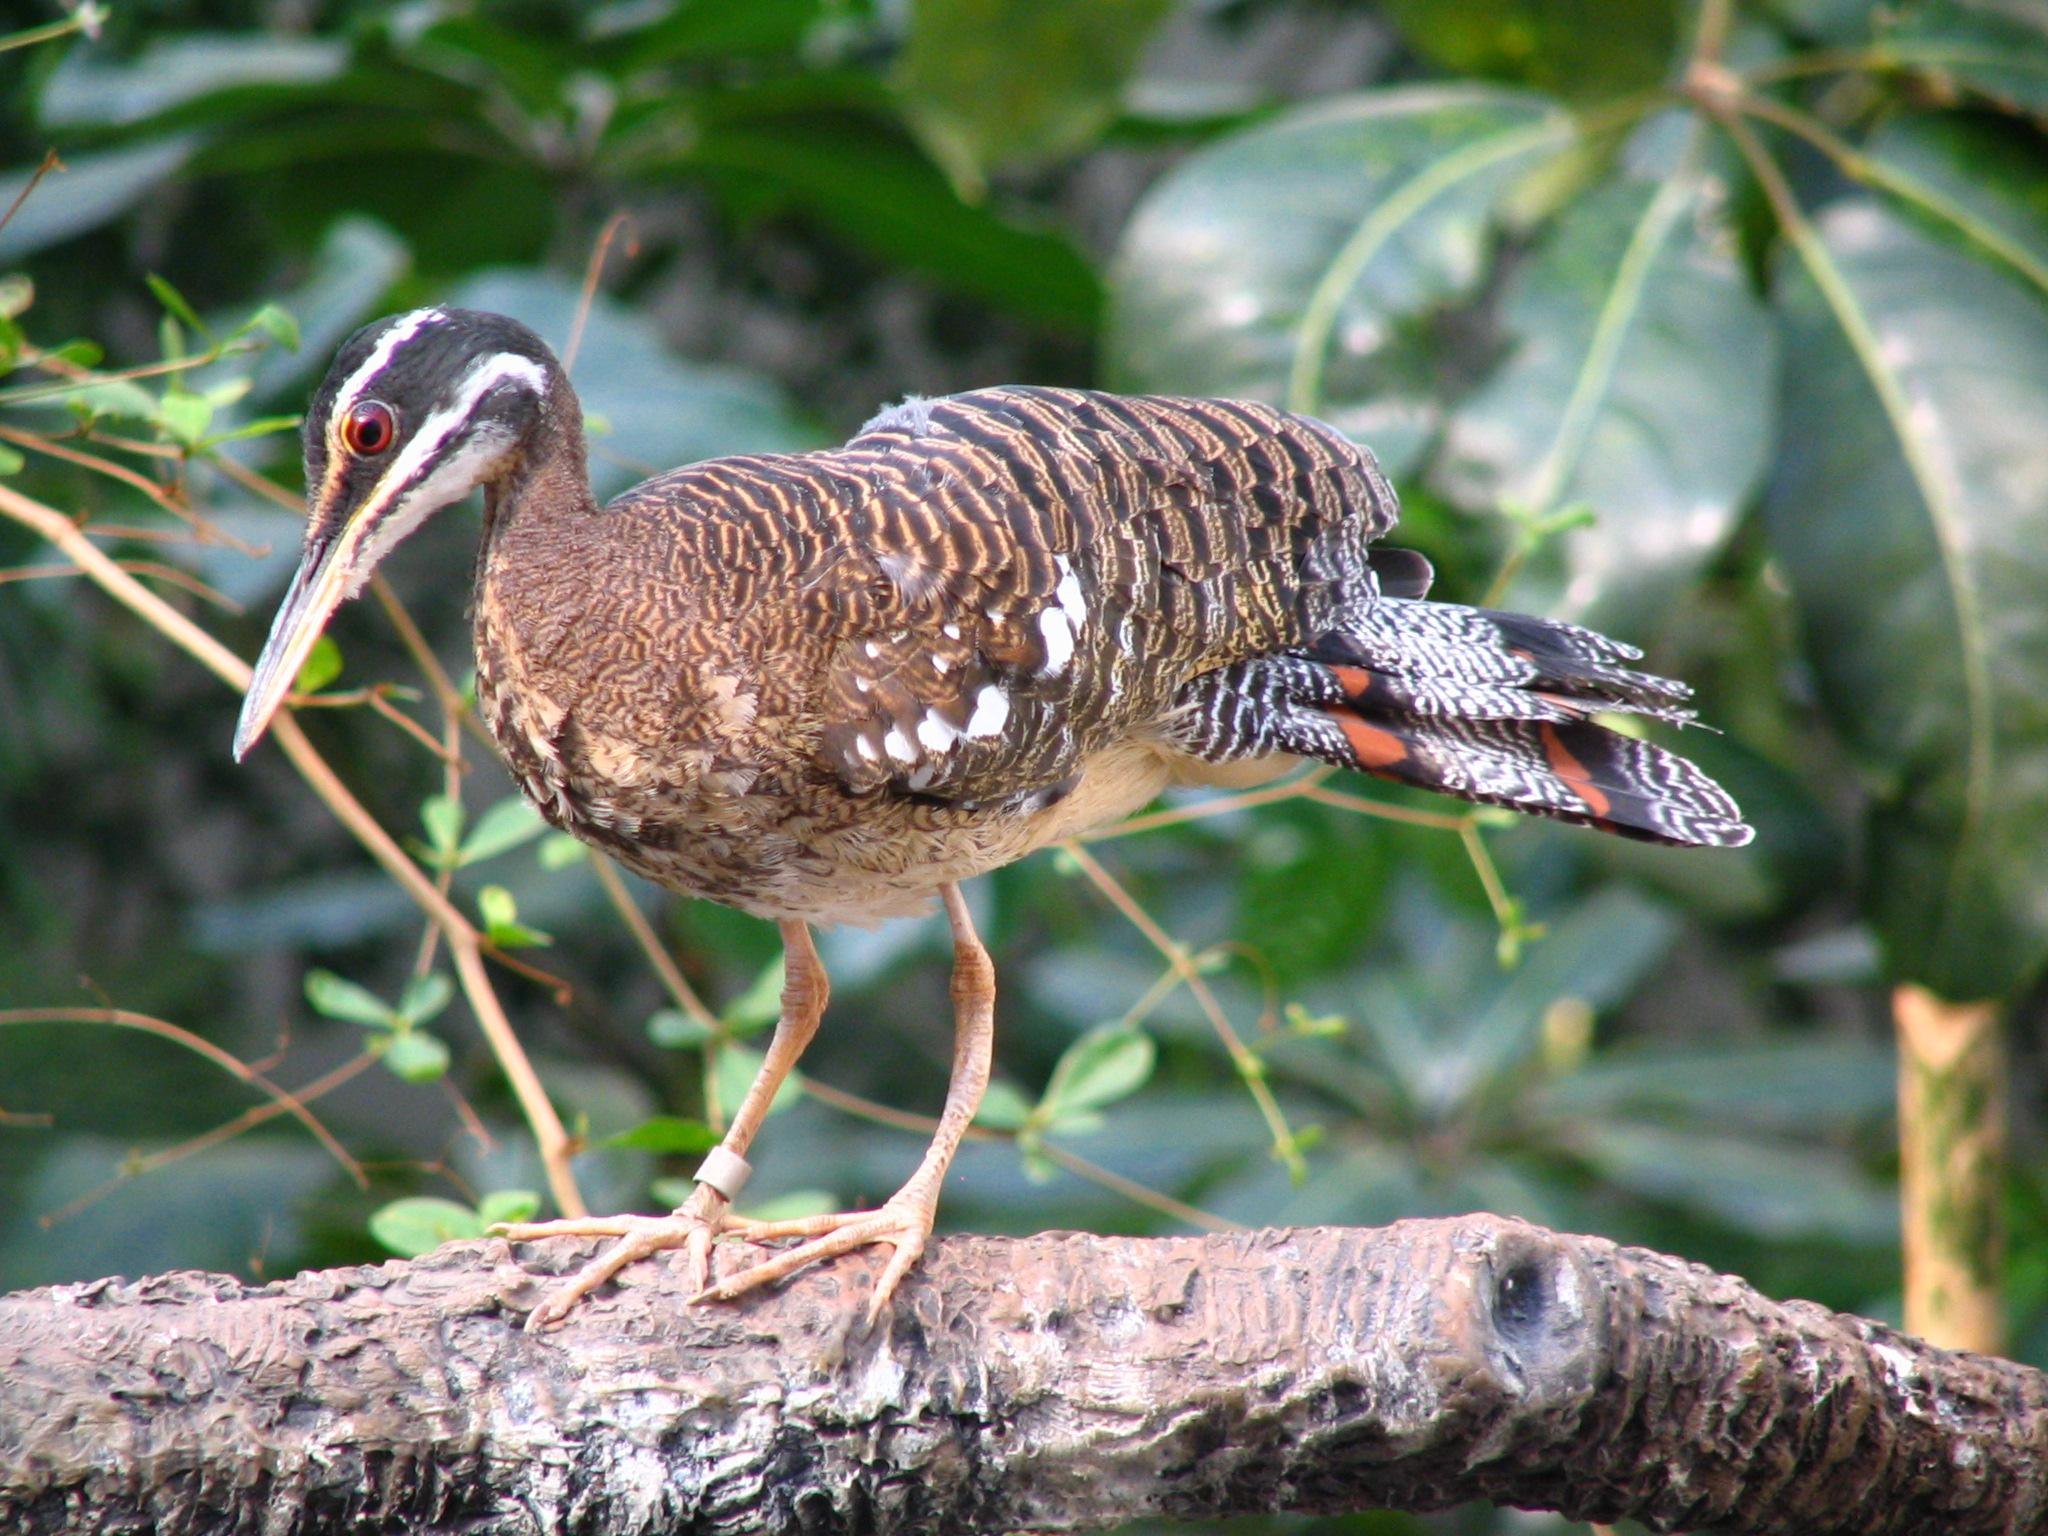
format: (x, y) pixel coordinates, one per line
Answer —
(400, 331)
(450, 480)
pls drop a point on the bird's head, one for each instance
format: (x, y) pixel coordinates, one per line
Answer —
(417, 411)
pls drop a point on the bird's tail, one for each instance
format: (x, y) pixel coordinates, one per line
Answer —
(1496, 708)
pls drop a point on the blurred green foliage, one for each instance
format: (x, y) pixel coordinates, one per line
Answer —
(1728, 330)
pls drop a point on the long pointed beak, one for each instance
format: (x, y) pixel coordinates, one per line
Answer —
(316, 591)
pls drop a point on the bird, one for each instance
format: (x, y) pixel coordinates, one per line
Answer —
(830, 687)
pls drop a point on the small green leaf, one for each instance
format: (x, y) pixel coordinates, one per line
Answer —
(11, 463)
(1110, 1062)
(558, 850)
(504, 1206)
(497, 908)
(501, 920)
(665, 1133)
(339, 999)
(417, 1056)
(278, 324)
(675, 1029)
(174, 301)
(424, 997)
(672, 1192)
(262, 426)
(794, 1205)
(504, 826)
(737, 1067)
(114, 397)
(441, 815)
(760, 1004)
(1003, 1108)
(322, 666)
(184, 416)
(423, 1223)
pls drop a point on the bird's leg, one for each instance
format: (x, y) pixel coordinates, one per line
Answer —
(905, 1220)
(693, 1224)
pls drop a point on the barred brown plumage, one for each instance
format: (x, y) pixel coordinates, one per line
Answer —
(826, 687)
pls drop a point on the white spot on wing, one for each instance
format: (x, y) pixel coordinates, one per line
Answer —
(1059, 640)
(1071, 602)
(866, 749)
(898, 746)
(936, 732)
(991, 712)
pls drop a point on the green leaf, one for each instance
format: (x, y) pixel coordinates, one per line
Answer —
(184, 416)
(504, 826)
(344, 1000)
(794, 1205)
(989, 83)
(1992, 50)
(1642, 379)
(276, 322)
(1110, 1062)
(174, 302)
(441, 815)
(1003, 1108)
(425, 997)
(11, 462)
(501, 920)
(1586, 50)
(1970, 179)
(89, 90)
(760, 1005)
(873, 190)
(1774, 1190)
(1908, 513)
(737, 1068)
(558, 850)
(114, 397)
(422, 1223)
(417, 1056)
(93, 189)
(665, 1133)
(1295, 262)
(503, 1207)
(675, 1029)
(321, 666)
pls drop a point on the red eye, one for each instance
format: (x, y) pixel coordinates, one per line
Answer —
(370, 428)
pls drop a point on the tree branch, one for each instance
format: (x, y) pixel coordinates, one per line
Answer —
(1057, 1383)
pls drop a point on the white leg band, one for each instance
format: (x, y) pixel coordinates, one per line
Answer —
(725, 1171)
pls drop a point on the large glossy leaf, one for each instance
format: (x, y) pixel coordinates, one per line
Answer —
(994, 82)
(657, 409)
(874, 190)
(91, 190)
(1911, 512)
(87, 90)
(1583, 49)
(1293, 262)
(1992, 50)
(1641, 382)
(1973, 179)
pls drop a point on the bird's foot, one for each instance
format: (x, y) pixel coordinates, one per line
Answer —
(692, 1227)
(904, 1222)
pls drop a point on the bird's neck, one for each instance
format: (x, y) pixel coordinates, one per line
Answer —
(549, 480)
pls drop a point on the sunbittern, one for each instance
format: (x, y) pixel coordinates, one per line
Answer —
(825, 687)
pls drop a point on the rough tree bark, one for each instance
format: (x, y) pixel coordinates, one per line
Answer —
(1058, 1383)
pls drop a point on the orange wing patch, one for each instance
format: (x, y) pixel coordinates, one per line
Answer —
(1373, 746)
(1573, 772)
